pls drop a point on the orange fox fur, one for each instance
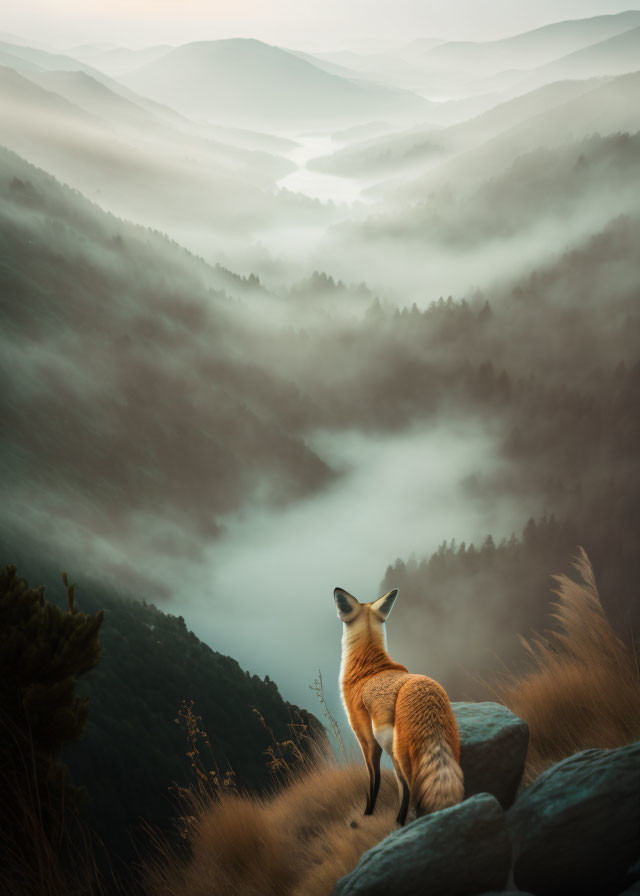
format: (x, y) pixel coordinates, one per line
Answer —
(409, 716)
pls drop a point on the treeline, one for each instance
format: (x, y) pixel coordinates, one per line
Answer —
(572, 451)
(467, 604)
(536, 188)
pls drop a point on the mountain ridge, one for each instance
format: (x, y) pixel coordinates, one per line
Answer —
(248, 82)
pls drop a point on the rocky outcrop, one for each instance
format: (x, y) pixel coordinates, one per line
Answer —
(576, 829)
(455, 852)
(493, 749)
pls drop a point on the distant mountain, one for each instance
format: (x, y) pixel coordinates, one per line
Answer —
(133, 162)
(21, 42)
(116, 61)
(13, 60)
(31, 57)
(474, 69)
(422, 45)
(326, 65)
(515, 112)
(398, 153)
(20, 94)
(93, 96)
(614, 56)
(530, 49)
(136, 119)
(251, 84)
(391, 68)
(27, 59)
(605, 108)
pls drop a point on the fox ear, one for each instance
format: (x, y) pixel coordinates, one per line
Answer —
(346, 604)
(383, 606)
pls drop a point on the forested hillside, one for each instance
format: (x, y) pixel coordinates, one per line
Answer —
(78, 285)
(157, 694)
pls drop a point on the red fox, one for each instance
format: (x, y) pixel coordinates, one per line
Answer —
(408, 716)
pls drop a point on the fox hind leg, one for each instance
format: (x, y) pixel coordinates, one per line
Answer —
(404, 792)
(402, 768)
(371, 752)
(373, 765)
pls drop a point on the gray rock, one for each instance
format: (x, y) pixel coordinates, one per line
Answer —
(493, 749)
(455, 852)
(577, 827)
(634, 890)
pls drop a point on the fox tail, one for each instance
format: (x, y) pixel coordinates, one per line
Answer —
(427, 745)
(437, 780)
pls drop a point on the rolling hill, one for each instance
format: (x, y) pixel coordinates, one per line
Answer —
(31, 58)
(606, 108)
(388, 155)
(614, 56)
(116, 61)
(252, 84)
(530, 49)
(133, 162)
(144, 123)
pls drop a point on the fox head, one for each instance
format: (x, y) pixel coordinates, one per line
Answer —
(358, 616)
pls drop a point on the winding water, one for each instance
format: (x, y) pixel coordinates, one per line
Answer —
(316, 184)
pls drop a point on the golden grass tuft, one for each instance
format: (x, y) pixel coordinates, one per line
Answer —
(298, 842)
(584, 688)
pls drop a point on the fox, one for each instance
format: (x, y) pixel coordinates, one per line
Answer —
(408, 716)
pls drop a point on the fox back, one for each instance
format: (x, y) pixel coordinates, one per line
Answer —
(408, 716)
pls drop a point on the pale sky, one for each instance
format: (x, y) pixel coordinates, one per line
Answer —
(325, 24)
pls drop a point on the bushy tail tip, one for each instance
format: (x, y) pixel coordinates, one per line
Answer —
(438, 781)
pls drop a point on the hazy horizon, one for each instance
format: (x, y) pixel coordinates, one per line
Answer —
(316, 26)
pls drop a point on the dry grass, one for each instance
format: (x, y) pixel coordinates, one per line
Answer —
(584, 688)
(299, 842)
(44, 850)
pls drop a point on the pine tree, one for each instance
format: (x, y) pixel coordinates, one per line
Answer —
(43, 650)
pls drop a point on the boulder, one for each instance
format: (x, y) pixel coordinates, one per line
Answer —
(576, 829)
(454, 852)
(493, 749)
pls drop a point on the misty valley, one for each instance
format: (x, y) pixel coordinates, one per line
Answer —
(277, 321)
